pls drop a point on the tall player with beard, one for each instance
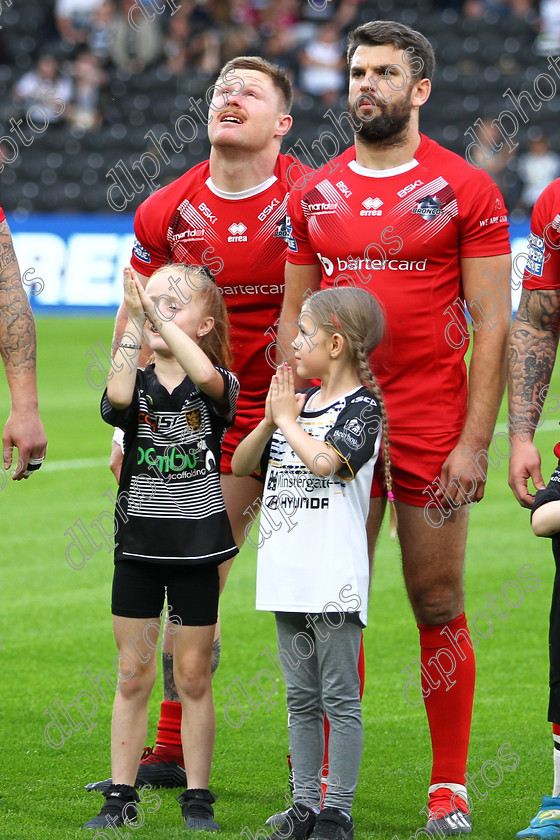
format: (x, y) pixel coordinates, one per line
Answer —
(423, 232)
(228, 214)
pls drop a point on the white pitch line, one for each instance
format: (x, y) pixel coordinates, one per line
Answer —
(76, 464)
(92, 463)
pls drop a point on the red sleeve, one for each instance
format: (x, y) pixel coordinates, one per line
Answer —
(542, 270)
(300, 251)
(2, 215)
(484, 228)
(150, 249)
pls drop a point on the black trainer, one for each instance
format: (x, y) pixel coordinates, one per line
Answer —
(196, 807)
(294, 824)
(120, 808)
(153, 771)
(332, 824)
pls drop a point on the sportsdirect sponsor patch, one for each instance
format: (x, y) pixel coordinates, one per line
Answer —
(141, 253)
(535, 260)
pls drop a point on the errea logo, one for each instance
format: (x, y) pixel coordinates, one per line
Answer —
(237, 229)
(372, 207)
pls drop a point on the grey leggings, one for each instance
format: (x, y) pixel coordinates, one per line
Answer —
(320, 666)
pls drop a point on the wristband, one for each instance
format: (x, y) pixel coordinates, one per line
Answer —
(118, 438)
(33, 465)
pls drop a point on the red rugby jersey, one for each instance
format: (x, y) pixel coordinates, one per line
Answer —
(2, 215)
(542, 270)
(240, 237)
(401, 233)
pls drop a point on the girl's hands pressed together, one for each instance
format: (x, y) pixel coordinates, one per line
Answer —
(148, 306)
(132, 299)
(285, 404)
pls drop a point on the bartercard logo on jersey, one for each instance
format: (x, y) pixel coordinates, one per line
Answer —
(535, 258)
(409, 187)
(205, 210)
(361, 263)
(140, 252)
(237, 229)
(428, 207)
(372, 207)
(268, 209)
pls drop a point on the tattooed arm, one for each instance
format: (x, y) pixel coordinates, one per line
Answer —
(18, 346)
(532, 350)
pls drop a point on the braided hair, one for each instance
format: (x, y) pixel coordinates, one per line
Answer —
(356, 315)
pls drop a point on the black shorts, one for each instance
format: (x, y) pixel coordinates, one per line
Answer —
(139, 590)
(554, 639)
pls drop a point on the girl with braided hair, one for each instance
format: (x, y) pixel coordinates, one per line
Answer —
(319, 449)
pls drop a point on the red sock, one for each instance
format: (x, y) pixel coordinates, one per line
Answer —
(555, 729)
(449, 704)
(168, 739)
(362, 675)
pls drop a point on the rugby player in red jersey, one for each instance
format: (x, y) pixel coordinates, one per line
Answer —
(424, 232)
(533, 347)
(227, 214)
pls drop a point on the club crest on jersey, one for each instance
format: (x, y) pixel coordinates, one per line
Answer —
(193, 418)
(237, 229)
(428, 207)
(372, 207)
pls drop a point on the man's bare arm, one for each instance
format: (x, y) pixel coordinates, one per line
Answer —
(487, 369)
(532, 350)
(300, 282)
(18, 347)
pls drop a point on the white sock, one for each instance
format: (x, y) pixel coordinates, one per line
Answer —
(556, 760)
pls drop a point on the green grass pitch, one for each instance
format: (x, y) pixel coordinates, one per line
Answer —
(55, 623)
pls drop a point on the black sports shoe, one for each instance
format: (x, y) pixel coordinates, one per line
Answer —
(120, 807)
(196, 807)
(332, 824)
(448, 825)
(153, 771)
(294, 824)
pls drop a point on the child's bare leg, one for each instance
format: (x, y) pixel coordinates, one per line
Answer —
(193, 680)
(138, 669)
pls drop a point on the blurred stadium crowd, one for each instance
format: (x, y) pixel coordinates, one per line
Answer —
(124, 69)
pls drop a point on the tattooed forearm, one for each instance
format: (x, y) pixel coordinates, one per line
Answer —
(532, 351)
(18, 343)
(169, 690)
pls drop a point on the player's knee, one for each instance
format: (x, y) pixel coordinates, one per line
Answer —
(192, 680)
(138, 684)
(437, 607)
